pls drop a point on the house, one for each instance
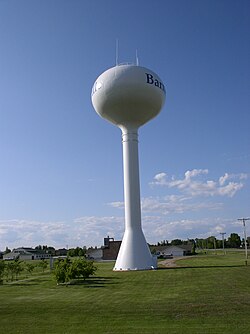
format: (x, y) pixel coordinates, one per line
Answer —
(94, 254)
(173, 251)
(25, 253)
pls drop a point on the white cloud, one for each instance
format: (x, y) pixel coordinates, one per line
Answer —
(175, 204)
(118, 205)
(160, 178)
(90, 230)
(223, 179)
(194, 183)
(240, 176)
(156, 213)
(158, 228)
(31, 233)
(83, 231)
(171, 204)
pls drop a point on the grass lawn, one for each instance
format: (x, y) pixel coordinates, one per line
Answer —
(205, 294)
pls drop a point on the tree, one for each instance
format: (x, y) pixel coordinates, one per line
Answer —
(233, 241)
(71, 252)
(18, 268)
(7, 250)
(13, 269)
(43, 264)
(211, 242)
(29, 267)
(83, 268)
(8, 270)
(66, 270)
(176, 242)
(163, 243)
(78, 251)
(61, 270)
(192, 241)
(199, 243)
(2, 267)
(51, 250)
(219, 243)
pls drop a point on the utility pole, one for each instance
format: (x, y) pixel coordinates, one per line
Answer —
(222, 234)
(215, 246)
(243, 220)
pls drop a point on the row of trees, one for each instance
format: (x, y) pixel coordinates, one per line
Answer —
(12, 269)
(233, 241)
(175, 242)
(65, 270)
(78, 251)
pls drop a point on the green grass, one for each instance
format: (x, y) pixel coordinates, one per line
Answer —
(205, 294)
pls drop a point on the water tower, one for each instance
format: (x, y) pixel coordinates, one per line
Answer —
(129, 96)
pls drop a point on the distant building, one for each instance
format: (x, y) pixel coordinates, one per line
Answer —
(173, 251)
(25, 253)
(110, 248)
(94, 254)
(108, 251)
(61, 252)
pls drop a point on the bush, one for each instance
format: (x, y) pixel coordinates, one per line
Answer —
(29, 267)
(13, 269)
(43, 264)
(67, 270)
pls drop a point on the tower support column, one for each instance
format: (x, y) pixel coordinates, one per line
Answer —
(134, 253)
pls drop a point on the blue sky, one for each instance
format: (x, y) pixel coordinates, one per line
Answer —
(61, 179)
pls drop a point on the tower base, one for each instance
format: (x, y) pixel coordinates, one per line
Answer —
(134, 253)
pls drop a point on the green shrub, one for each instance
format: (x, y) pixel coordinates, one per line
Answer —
(67, 270)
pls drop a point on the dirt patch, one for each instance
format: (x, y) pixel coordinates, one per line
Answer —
(170, 263)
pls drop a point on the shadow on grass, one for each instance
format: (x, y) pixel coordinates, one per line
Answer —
(18, 283)
(94, 282)
(26, 281)
(91, 282)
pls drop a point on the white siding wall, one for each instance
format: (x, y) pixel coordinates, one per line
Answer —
(173, 250)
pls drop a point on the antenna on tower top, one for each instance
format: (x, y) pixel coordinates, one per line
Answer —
(136, 58)
(116, 52)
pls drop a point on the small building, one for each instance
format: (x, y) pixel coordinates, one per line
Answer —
(94, 254)
(111, 248)
(108, 251)
(25, 253)
(174, 251)
(11, 256)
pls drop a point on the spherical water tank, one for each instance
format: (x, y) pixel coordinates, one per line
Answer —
(128, 95)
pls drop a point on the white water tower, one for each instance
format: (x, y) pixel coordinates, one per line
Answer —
(129, 96)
